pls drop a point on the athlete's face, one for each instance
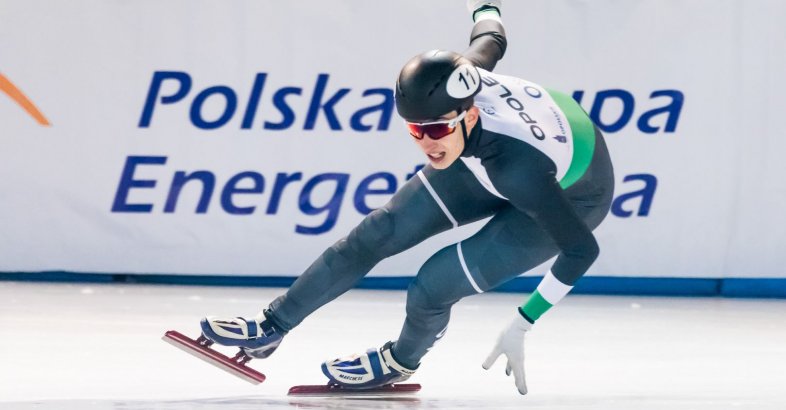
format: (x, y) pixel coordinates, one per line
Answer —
(443, 152)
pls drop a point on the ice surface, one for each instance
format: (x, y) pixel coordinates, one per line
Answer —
(93, 346)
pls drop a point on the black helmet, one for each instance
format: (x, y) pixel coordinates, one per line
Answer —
(435, 83)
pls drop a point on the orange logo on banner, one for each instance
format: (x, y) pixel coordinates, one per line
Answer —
(9, 88)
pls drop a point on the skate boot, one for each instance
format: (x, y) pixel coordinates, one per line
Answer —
(372, 369)
(257, 337)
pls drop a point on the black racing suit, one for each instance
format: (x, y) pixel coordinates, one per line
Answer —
(534, 163)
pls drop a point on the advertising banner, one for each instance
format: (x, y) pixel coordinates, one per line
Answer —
(245, 137)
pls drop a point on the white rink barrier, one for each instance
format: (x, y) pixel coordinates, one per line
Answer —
(242, 138)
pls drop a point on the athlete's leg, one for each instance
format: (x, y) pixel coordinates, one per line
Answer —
(511, 243)
(508, 245)
(415, 213)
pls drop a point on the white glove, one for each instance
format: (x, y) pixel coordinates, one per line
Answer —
(474, 5)
(511, 343)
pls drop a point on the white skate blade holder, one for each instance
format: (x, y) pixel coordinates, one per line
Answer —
(200, 349)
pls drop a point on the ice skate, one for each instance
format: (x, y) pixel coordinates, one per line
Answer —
(374, 372)
(256, 338)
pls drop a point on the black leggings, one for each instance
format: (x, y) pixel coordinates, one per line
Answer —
(509, 244)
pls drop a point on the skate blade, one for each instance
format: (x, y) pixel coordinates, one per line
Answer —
(213, 357)
(332, 390)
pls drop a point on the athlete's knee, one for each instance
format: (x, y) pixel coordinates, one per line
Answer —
(368, 241)
(420, 299)
(375, 233)
(428, 293)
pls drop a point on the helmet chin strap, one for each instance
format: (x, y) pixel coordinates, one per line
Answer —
(463, 133)
(466, 137)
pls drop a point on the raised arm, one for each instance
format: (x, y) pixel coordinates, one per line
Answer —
(487, 42)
